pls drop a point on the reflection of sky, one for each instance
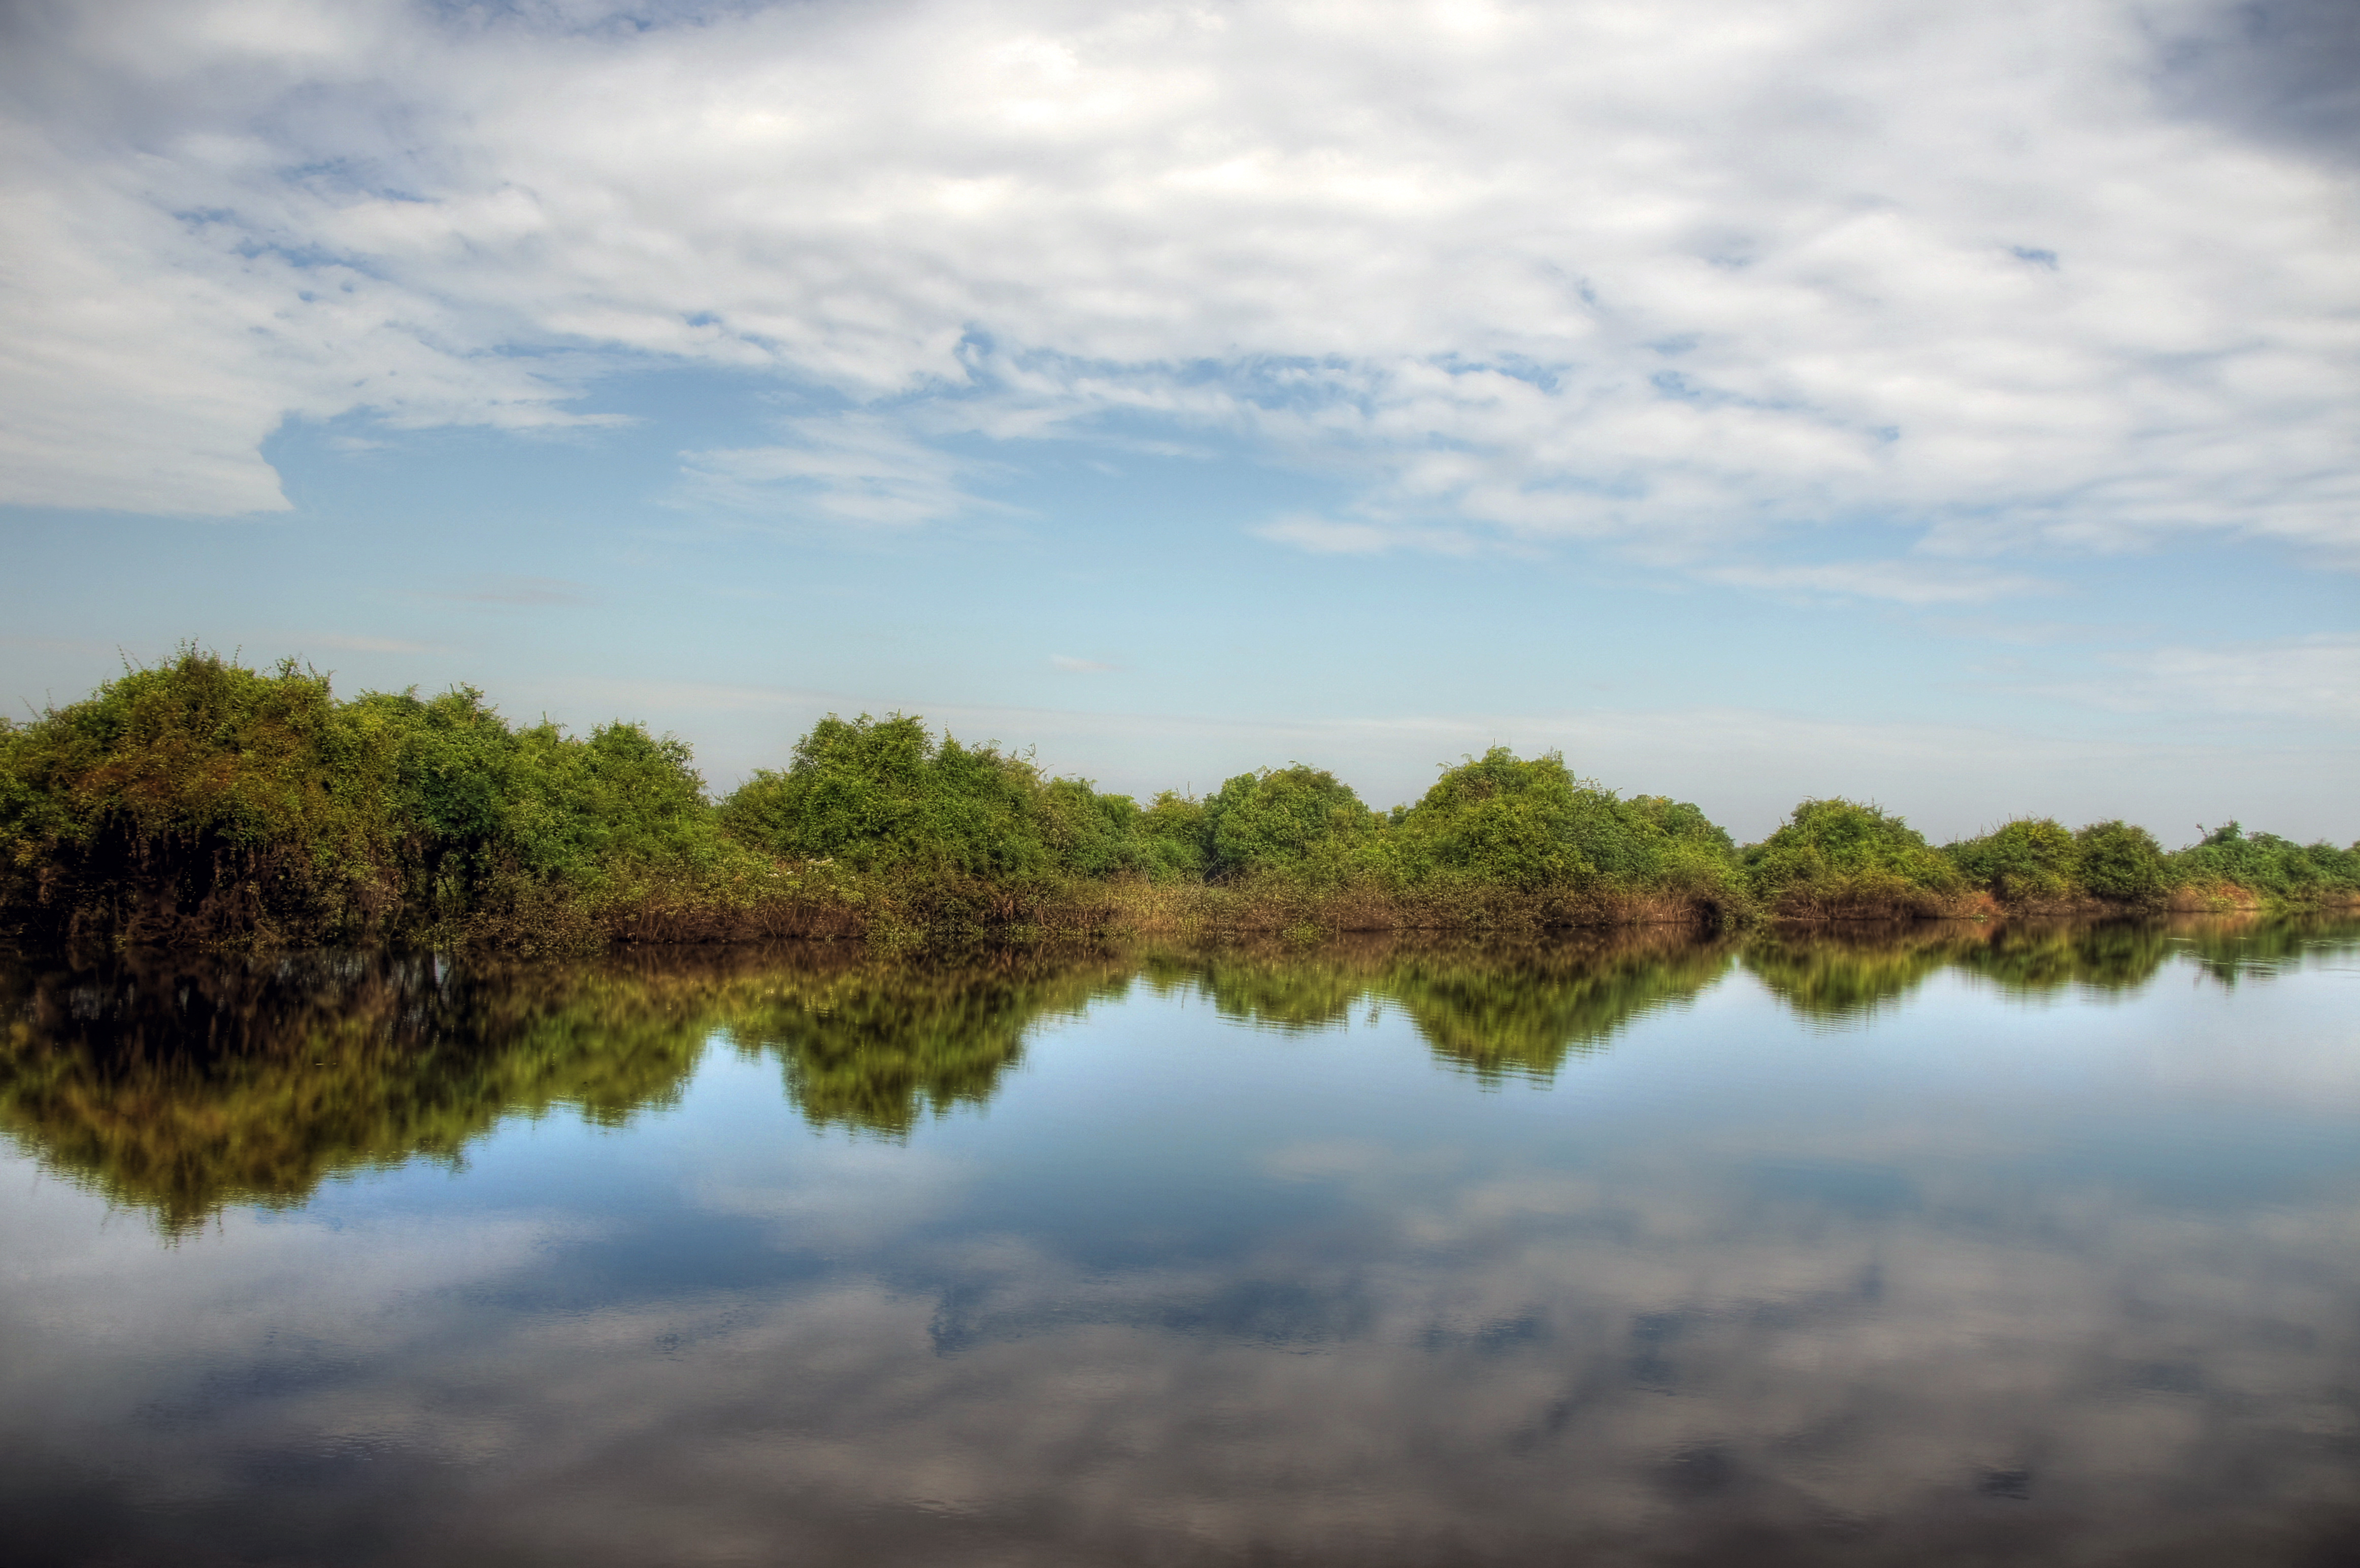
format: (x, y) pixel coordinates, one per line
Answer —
(1978, 1277)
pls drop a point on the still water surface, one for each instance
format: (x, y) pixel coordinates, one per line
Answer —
(1943, 1247)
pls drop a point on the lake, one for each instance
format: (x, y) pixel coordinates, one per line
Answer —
(1940, 1244)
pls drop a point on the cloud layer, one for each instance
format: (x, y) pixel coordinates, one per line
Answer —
(1674, 276)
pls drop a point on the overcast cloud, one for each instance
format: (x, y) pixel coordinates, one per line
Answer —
(1682, 277)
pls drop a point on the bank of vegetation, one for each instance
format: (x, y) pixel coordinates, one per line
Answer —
(201, 801)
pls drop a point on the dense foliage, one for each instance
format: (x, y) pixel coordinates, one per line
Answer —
(201, 800)
(1294, 819)
(884, 795)
(1531, 825)
(2029, 858)
(2268, 864)
(1835, 853)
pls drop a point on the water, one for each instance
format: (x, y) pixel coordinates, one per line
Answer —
(1937, 1246)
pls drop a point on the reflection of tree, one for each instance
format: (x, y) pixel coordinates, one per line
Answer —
(2230, 947)
(1851, 973)
(178, 1084)
(875, 1047)
(1273, 985)
(1521, 1010)
(1496, 1006)
(2034, 959)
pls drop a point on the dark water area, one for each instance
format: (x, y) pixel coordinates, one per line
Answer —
(1941, 1245)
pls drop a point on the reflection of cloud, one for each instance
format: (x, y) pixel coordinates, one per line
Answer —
(1493, 1359)
(209, 1301)
(865, 1188)
(2287, 69)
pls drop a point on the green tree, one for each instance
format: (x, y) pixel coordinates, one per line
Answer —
(2121, 862)
(1837, 852)
(2032, 857)
(1298, 819)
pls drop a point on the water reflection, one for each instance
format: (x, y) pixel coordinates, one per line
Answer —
(1853, 972)
(1499, 1009)
(178, 1085)
(1228, 1274)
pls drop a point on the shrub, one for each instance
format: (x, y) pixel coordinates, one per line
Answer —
(200, 799)
(2029, 858)
(882, 795)
(481, 802)
(1531, 825)
(2121, 862)
(2267, 863)
(1296, 820)
(1089, 834)
(1174, 838)
(1836, 852)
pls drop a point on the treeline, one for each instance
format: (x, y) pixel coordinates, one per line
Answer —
(200, 800)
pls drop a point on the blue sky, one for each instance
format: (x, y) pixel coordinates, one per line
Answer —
(1954, 408)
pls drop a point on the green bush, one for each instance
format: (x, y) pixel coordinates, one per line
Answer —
(1531, 825)
(1174, 838)
(882, 795)
(1841, 851)
(1294, 819)
(2032, 857)
(202, 799)
(2124, 863)
(200, 790)
(2268, 864)
(482, 801)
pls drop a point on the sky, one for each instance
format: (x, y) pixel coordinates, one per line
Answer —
(1954, 406)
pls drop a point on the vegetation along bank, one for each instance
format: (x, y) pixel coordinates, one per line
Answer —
(201, 801)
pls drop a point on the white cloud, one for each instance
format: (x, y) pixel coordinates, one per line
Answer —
(846, 468)
(2314, 679)
(1331, 536)
(1669, 276)
(1902, 581)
